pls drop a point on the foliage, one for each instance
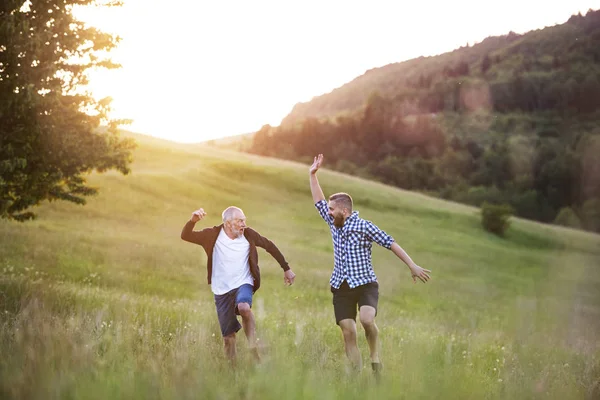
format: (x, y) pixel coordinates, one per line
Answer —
(590, 214)
(567, 217)
(556, 68)
(505, 121)
(495, 217)
(48, 124)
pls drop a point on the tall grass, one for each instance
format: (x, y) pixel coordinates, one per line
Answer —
(105, 301)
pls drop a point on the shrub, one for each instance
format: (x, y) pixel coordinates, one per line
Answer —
(567, 217)
(590, 215)
(495, 217)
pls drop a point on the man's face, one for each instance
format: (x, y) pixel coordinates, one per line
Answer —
(237, 224)
(337, 212)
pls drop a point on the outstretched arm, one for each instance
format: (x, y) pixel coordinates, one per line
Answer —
(415, 270)
(288, 275)
(315, 188)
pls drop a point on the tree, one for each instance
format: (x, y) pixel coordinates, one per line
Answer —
(50, 135)
(567, 217)
(486, 63)
(590, 215)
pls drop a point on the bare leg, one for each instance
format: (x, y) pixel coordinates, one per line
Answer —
(348, 327)
(249, 326)
(229, 347)
(367, 319)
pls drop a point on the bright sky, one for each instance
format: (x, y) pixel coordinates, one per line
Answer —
(195, 69)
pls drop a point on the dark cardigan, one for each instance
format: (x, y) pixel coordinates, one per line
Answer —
(208, 237)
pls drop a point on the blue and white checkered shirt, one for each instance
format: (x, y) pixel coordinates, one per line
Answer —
(352, 248)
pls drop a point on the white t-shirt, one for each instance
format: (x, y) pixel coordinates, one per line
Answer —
(230, 267)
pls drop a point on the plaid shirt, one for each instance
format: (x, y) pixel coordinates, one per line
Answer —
(352, 248)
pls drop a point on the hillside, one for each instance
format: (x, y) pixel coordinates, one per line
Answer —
(513, 120)
(106, 301)
(566, 54)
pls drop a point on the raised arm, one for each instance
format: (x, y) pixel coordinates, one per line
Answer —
(187, 233)
(315, 188)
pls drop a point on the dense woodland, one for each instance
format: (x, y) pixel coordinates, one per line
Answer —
(513, 120)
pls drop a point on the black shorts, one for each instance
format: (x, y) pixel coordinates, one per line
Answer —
(346, 300)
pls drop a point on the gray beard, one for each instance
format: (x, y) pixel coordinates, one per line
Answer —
(236, 234)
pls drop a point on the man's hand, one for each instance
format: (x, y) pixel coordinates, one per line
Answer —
(198, 215)
(316, 164)
(288, 277)
(418, 272)
(315, 188)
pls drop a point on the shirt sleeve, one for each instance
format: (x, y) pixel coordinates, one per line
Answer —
(323, 210)
(378, 236)
(190, 235)
(270, 247)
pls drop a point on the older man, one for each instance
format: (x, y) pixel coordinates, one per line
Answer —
(353, 281)
(233, 272)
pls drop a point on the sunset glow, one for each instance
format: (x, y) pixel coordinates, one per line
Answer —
(196, 70)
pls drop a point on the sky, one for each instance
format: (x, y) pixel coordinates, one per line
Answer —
(196, 70)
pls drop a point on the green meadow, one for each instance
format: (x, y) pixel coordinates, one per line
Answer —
(105, 301)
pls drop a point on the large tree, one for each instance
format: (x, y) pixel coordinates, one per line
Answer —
(51, 127)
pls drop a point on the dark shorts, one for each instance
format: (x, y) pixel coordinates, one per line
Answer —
(346, 300)
(227, 310)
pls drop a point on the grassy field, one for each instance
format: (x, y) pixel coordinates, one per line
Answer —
(106, 301)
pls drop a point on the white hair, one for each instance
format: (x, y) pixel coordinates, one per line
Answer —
(229, 211)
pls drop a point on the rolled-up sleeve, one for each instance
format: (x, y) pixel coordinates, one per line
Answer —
(323, 210)
(378, 236)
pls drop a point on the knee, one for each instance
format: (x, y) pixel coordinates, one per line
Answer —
(229, 340)
(368, 321)
(244, 310)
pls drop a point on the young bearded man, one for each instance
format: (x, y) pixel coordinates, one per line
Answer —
(353, 281)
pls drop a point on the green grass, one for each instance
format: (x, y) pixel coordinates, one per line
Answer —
(106, 301)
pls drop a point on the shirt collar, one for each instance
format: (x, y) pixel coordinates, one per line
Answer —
(353, 217)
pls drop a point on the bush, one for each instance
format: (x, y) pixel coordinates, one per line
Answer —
(590, 215)
(495, 217)
(477, 195)
(567, 217)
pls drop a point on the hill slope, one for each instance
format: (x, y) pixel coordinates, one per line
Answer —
(563, 57)
(106, 301)
(512, 120)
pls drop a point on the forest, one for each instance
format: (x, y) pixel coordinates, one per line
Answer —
(512, 120)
